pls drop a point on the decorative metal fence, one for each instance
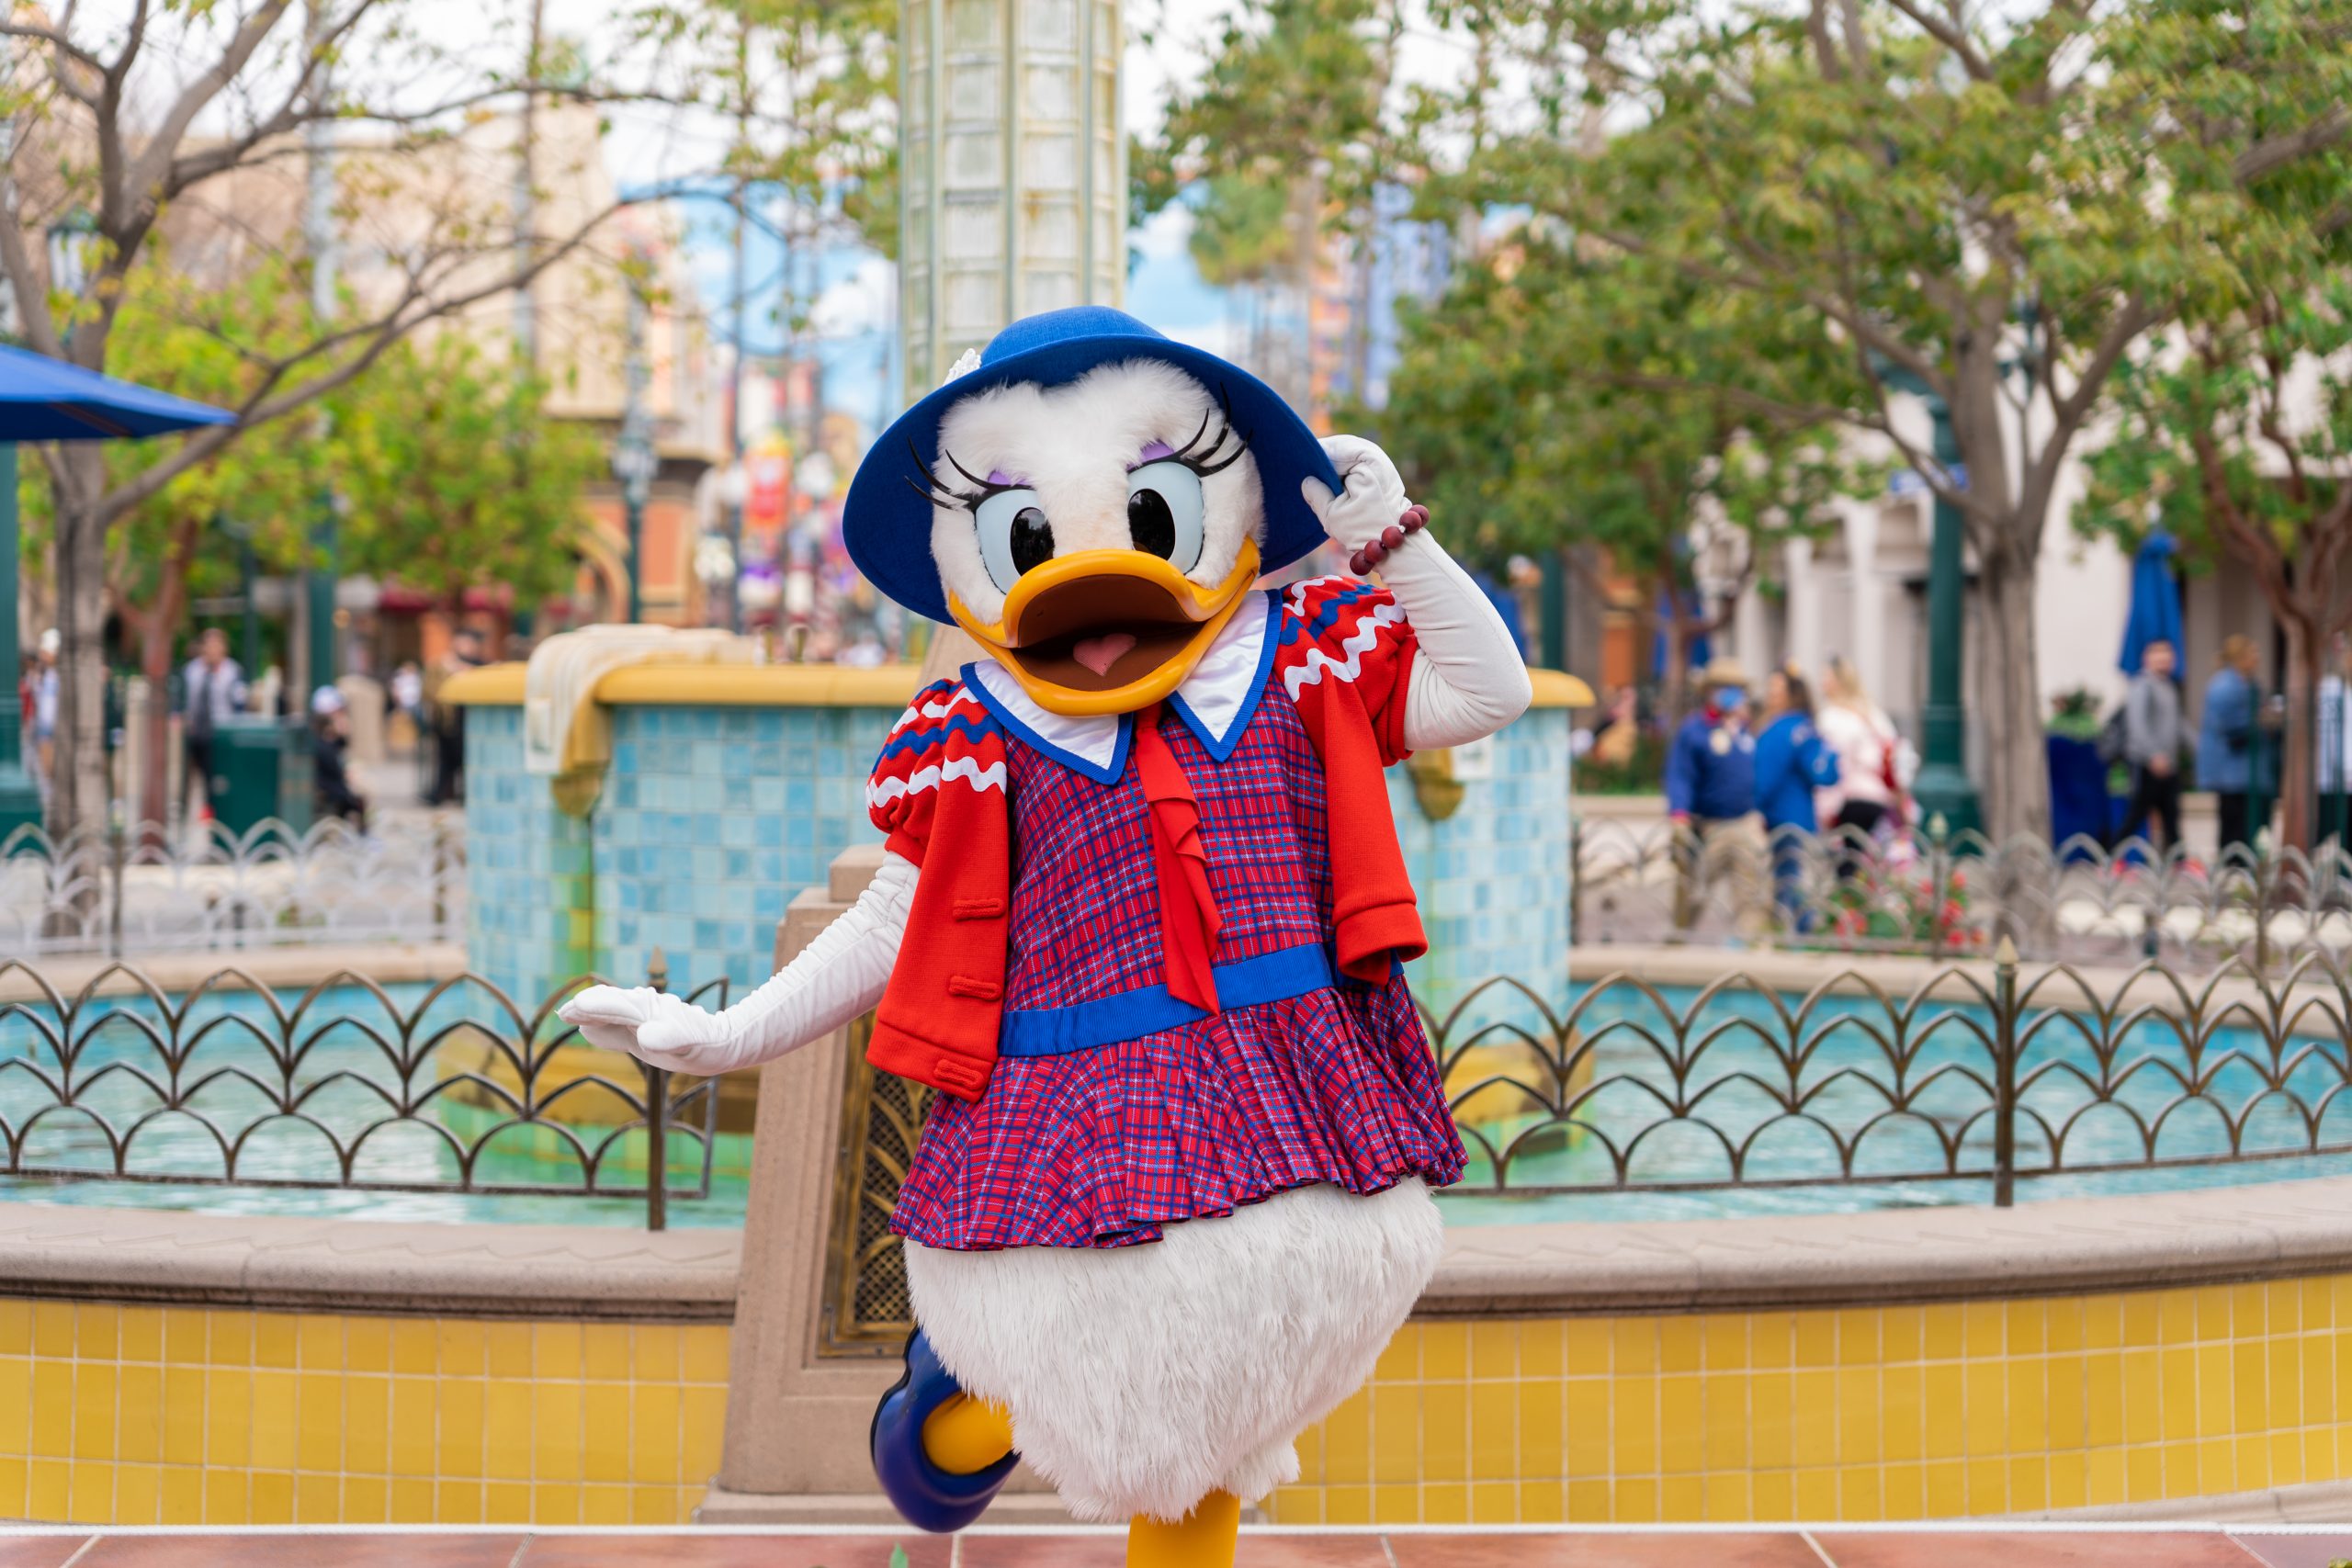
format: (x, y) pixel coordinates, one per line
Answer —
(151, 888)
(1847, 891)
(1991, 1073)
(1986, 1073)
(459, 1089)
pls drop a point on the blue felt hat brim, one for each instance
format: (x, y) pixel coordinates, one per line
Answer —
(886, 524)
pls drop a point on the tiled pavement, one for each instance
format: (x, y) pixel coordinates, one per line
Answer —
(2010, 1547)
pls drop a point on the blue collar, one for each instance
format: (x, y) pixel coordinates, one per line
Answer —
(1216, 703)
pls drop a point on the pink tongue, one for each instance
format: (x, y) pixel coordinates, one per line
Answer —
(1099, 653)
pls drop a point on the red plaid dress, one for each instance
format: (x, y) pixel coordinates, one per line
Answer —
(1103, 1146)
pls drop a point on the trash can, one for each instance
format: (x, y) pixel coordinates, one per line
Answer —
(260, 770)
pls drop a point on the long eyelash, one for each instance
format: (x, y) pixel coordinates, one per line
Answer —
(938, 495)
(1198, 457)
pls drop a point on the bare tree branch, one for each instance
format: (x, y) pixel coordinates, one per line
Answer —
(1951, 36)
(376, 338)
(2278, 151)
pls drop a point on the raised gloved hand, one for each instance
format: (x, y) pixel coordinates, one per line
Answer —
(655, 1027)
(1370, 499)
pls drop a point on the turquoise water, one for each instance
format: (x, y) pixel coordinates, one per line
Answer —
(1883, 1094)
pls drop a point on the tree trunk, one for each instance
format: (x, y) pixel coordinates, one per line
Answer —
(2014, 771)
(1676, 628)
(155, 630)
(83, 792)
(2299, 761)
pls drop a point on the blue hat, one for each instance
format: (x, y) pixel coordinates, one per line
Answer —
(886, 524)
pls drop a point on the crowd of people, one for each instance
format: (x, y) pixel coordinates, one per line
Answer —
(1799, 766)
(213, 693)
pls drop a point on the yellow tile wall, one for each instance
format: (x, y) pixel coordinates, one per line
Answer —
(184, 1415)
(1898, 1413)
(143, 1415)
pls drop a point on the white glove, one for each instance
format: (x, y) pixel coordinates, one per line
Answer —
(1471, 680)
(1372, 495)
(838, 976)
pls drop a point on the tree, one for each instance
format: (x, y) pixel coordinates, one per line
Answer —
(1994, 203)
(131, 117)
(426, 453)
(128, 119)
(1566, 395)
(1291, 123)
(2236, 434)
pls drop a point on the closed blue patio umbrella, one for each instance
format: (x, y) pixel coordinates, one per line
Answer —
(2156, 601)
(45, 399)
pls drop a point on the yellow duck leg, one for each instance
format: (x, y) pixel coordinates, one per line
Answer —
(1203, 1539)
(964, 1436)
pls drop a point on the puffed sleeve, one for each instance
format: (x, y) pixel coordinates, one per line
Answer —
(1339, 630)
(945, 735)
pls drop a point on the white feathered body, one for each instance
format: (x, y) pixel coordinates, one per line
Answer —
(1141, 1379)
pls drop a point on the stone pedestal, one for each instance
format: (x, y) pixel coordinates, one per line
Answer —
(800, 1401)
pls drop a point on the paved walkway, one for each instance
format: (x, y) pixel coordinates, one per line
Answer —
(1932, 1548)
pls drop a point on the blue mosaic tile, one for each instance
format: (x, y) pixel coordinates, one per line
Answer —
(713, 819)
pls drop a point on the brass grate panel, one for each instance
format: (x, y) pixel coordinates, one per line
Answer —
(868, 1310)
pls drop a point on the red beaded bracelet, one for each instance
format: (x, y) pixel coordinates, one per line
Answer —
(1414, 519)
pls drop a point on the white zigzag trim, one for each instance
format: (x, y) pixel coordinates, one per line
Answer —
(917, 712)
(881, 792)
(1308, 672)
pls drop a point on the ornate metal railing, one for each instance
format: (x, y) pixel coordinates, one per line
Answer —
(147, 887)
(453, 1089)
(1947, 896)
(1987, 1073)
(1984, 1073)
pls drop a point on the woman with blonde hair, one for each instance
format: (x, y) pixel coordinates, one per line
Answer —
(1875, 762)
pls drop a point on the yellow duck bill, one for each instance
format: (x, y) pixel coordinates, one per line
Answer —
(1107, 631)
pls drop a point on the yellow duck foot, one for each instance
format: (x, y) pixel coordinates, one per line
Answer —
(964, 1436)
(1203, 1539)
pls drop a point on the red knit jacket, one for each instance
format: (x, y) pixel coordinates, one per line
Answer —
(1343, 654)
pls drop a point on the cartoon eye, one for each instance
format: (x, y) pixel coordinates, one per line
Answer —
(1164, 510)
(1014, 534)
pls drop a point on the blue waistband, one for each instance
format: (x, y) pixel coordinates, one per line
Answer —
(1269, 977)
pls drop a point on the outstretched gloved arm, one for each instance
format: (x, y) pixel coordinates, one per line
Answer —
(1470, 680)
(835, 978)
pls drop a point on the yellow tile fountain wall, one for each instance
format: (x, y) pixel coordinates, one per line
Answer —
(141, 1415)
(1884, 1414)
(184, 1415)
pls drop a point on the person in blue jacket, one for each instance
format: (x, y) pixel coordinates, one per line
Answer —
(1791, 762)
(1710, 777)
(2225, 741)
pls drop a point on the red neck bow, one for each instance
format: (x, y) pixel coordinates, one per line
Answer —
(1189, 917)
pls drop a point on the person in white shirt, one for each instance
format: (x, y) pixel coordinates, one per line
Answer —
(1875, 762)
(212, 689)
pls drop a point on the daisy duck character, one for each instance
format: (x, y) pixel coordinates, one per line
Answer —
(1139, 924)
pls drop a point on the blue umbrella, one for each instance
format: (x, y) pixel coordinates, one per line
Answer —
(1701, 652)
(2155, 602)
(47, 400)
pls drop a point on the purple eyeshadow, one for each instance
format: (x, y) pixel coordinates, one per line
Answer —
(998, 476)
(1152, 452)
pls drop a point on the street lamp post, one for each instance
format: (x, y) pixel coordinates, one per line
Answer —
(19, 795)
(1943, 788)
(634, 459)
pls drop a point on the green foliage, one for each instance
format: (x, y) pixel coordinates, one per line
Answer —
(454, 477)
(1643, 773)
(1290, 114)
(1561, 397)
(449, 471)
(1990, 204)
